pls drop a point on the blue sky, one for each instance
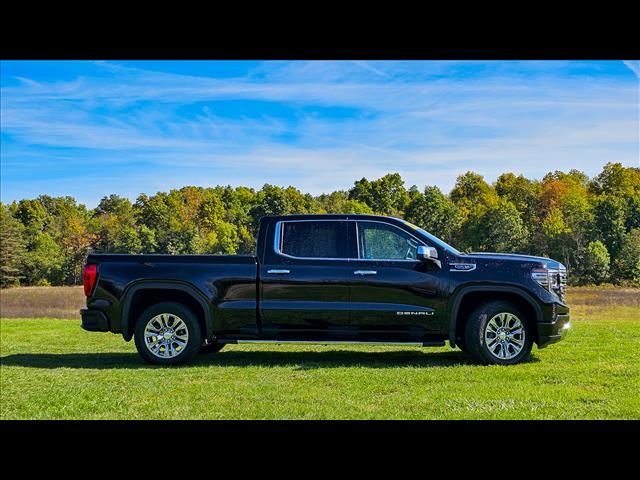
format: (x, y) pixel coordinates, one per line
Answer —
(88, 129)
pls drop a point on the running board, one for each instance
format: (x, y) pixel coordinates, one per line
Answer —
(430, 343)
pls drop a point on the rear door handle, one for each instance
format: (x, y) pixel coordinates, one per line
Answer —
(279, 272)
(365, 272)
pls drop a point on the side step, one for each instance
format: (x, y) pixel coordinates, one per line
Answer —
(430, 343)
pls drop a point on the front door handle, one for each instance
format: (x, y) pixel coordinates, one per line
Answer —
(279, 272)
(365, 272)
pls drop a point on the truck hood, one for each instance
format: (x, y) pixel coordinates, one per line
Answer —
(513, 257)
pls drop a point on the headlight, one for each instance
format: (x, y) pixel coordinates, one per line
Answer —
(552, 280)
(541, 275)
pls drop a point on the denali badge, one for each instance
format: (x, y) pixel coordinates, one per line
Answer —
(415, 313)
(462, 267)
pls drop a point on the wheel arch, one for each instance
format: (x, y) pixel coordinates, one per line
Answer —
(141, 295)
(489, 293)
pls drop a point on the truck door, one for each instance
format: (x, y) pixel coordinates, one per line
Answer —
(393, 294)
(305, 280)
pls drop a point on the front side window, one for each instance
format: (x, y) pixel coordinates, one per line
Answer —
(385, 242)
(314, 239)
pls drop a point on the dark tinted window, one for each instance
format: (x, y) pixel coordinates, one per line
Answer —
(381, 241)
(315, 239)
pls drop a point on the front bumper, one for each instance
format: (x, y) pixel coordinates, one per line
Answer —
(94, 320)
(549, 333)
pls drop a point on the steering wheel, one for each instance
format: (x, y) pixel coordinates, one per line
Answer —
(410, 251)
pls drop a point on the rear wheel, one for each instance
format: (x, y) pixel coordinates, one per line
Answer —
(498, 333)
(168, 333)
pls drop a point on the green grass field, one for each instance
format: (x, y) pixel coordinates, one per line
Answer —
(51, 369)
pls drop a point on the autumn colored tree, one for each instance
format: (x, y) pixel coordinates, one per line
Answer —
(566, 213)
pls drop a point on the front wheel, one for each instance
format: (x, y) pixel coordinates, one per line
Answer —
(168, 333)
(498, 333)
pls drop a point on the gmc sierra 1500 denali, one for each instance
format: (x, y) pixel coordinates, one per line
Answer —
(330, 279)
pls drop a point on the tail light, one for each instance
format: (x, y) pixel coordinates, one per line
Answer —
(89, 275)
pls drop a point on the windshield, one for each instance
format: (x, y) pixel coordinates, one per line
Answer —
(433, 239)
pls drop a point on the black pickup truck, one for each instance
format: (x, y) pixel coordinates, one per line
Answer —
(330, 279)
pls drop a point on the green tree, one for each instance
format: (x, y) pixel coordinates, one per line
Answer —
(595, 262)
(11, 248)
(627, 263)
(43, 263)
(115, 205)
(522, 192)
(386, 195)
(471, 190)
(339, 202)
(610, 220)
(270, 200)
(615, 179)
(499, 228)
(237, 204)
(114, 226)
(434, 212)
(556, 236)
(32, 215)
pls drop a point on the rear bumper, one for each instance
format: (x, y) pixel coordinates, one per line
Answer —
(549, 333)
(94, 320)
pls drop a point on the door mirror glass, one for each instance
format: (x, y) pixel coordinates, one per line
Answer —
(426, 253)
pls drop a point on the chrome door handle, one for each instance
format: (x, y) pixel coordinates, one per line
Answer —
(280, 272)
(365, 272)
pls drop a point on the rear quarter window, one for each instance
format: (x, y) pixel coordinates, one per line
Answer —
(324, 239)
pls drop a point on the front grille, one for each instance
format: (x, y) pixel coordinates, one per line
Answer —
(558, 281)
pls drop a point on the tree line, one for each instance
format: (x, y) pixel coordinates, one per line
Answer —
(592, 225)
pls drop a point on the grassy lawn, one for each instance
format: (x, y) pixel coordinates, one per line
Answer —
(52, 369)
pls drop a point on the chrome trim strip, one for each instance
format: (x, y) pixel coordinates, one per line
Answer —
(329, 342)
(365, 272)
(279, 234)
(278, 271)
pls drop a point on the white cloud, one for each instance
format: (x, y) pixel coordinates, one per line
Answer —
(634, 66)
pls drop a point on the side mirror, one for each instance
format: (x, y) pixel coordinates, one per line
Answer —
(428, 253)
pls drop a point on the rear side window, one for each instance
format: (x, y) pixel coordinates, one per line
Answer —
(314, 239)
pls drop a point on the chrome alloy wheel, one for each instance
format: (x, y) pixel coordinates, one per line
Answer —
(504, 336)
(166, 335)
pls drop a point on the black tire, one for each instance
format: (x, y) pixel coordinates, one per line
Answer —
(173, 309)
(211, 348)
(475, 333)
